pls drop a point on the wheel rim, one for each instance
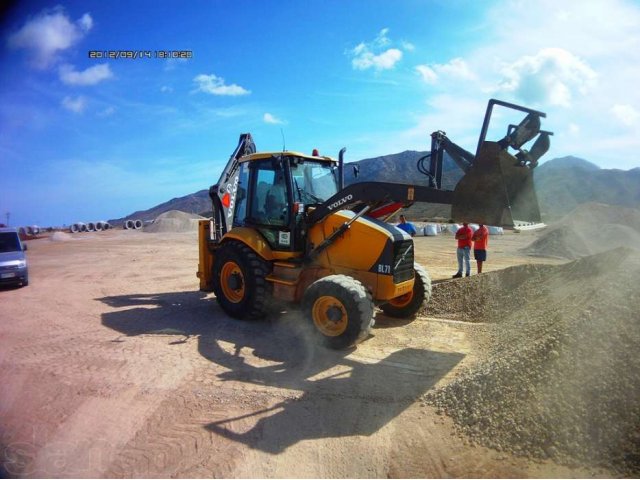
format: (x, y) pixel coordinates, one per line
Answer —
(231, 273)
(402, 301)
(329, 316)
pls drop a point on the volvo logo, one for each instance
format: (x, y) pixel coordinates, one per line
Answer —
(340, 202)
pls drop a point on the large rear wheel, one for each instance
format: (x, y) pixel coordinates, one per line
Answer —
(409, 304)
(239, 281)
(341, 310)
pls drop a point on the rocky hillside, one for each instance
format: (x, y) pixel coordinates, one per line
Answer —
(561, 185)
(196, 203)
(564, 183)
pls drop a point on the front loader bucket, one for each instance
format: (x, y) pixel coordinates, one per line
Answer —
(496, 190)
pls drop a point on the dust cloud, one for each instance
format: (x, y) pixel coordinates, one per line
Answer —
(590, 228)
(559, 376)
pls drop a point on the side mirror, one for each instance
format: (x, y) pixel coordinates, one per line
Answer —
(24, 247)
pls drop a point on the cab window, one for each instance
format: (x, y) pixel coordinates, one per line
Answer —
(269, 204)
(241, 198)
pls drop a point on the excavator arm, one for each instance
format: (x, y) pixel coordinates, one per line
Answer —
(224, 193)
(496, 188)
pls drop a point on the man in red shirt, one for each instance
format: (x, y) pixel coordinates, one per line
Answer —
(481, 240)
(464, 235)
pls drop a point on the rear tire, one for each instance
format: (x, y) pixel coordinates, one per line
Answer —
(239, 281)
(408, 305)
(341, 310)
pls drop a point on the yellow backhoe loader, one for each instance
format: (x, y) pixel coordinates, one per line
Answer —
(285, 228)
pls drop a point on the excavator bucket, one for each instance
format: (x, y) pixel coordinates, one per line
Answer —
(496, 190)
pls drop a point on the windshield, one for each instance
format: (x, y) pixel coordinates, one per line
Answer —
(313, 182)
(9, 242)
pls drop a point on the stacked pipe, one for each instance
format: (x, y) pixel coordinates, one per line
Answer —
(132, 225)
(90, 227)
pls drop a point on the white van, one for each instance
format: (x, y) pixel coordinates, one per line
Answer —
(13, 261)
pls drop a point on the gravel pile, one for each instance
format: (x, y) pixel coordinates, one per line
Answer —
(560, 375)
(477, 298)
(174, 221)
(591, 228)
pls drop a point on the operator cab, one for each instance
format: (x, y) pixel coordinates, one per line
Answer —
(275, 190)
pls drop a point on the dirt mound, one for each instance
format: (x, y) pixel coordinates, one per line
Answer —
(591, 228)
(174, 221)
(561, 374)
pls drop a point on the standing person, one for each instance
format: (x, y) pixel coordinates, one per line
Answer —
(463, 236)
(480, 241)
(407, 226)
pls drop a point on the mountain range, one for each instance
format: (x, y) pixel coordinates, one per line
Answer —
(561, 185)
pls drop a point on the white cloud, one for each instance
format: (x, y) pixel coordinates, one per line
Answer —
(48, 33)
(427, 73)
(457, 68)
(384, 61)
(552, 76)
(625, 114)
(215, 85)
(382, 40)
(166, 89)
(107, 112)
(86, 22)
(75, 104)
(408, 46)
(271, 119)
(375, 54)
(90, 76)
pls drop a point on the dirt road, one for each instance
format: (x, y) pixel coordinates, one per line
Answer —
(113, 364)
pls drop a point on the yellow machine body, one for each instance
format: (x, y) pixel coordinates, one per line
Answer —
(373, 242)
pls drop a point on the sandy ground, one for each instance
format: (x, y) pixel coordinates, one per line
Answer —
(113, 364)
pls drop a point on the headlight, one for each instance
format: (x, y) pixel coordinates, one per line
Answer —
(22, 263)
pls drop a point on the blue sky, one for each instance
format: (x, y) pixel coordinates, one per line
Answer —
(86, 139)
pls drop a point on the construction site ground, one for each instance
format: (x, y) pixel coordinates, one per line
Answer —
(114, 364)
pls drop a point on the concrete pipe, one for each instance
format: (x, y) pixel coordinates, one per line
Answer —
(98, 226)
(91, 227)
(129, 225)
(74, 228)
(137, 224)
(82, 227)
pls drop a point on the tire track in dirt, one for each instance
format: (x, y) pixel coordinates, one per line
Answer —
(174, 441)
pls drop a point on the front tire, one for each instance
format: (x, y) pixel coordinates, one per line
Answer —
(408, 305)
(239, 281)
(341, 309)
